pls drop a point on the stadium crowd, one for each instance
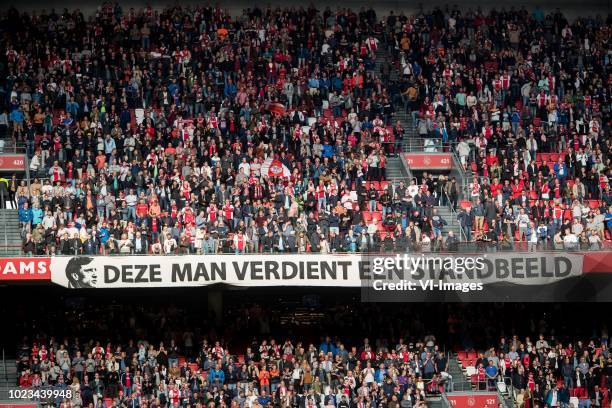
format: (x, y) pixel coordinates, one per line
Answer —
(267, 374)
(186, 130)
(524, 99)
(545, 373)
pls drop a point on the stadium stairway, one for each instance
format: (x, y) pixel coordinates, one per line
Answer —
(10, 233)
(436, 402)
(451, 220)
(407, 123)
(8, 377)
(401, 115)
(460, 381)
(395, 169)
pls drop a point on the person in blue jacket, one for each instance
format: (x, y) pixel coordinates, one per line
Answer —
(37, 215)
(327, 346)
(25, 215)
(558, 397)
(216, 376)
(104, 234)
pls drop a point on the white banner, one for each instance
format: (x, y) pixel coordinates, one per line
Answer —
(351, 270)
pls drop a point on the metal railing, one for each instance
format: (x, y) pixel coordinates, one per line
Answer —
(425, 145)
(10, 146)
(4, 364)
(4, 222)
(436, 145)
(460, 170)
(407, 167)
(445, 400)
(455, 217)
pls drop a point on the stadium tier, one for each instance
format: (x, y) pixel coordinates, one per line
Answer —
(192, 199)
(189, 130)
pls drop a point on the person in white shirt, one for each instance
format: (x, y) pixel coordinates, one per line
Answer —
(570, 241)
(463, 149)
(130, 200)
(169, 244)
(522, 221)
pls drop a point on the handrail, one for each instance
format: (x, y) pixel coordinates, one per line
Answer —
(460, 169)
(4, 221)
(445, 400)
(454, 215)
(13, 148)
(406, 166)
(426, 145)
(4, 365)
(467, 248)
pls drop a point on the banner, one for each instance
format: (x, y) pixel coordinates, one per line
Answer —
(474, 400)
(25, 269)
(429, 161)
(12, 162)
(315, 270)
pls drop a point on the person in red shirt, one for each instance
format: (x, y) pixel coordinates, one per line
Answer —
(240, 241)
(142, 210)
(481, 375)
(496, 186)
(492, 159)
(174, 395)
(228, 211)
(188, 216)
